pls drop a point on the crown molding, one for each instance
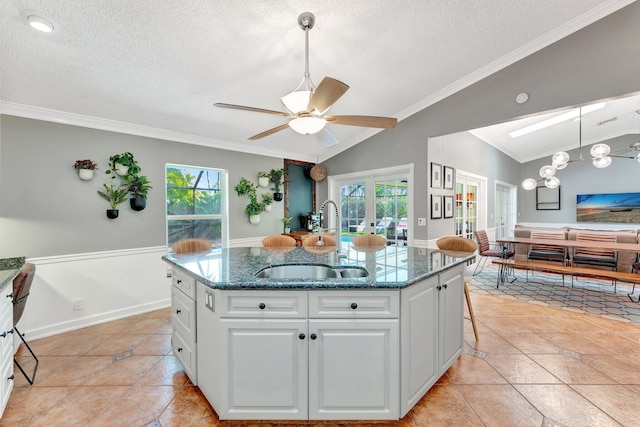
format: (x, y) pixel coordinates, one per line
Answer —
(74, 119)
(512, 57)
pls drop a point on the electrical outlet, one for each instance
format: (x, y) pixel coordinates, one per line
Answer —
(78, 304)
(422, 222)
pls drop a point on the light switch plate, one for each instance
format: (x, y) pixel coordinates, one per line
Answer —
(422, 221)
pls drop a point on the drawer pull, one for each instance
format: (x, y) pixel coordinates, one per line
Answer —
(262, 306)
(313, 336)
(178, 311)
(301, 336)
(444, 286)
(4, 334)
(10, 295)
(11, 377)
(179, 349)
(178, 281)
(354, 305)
(439, 287)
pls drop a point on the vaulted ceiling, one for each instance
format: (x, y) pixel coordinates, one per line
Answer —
(156, 67)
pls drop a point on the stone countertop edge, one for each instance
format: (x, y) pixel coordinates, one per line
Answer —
(9, 268)
(325, 284)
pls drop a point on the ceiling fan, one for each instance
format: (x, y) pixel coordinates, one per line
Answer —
(307, 105)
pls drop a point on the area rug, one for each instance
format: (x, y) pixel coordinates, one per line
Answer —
(590, 296)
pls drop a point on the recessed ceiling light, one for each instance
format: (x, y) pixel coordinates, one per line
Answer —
(39, 23)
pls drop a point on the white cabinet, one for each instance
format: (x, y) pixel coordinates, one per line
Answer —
(353, 369)
(6, 345)
(183, 322)
(432, 333)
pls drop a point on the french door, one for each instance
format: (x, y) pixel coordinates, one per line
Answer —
(376, 202)
(469, 204)
(505, 213)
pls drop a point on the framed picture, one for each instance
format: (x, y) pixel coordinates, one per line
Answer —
(448, 206)
(436, 207)
(436, 175)
(449, 178)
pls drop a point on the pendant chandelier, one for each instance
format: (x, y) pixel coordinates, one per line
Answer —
(601, 157)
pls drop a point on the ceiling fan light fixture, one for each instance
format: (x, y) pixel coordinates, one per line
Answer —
(297, 101)
(307, 125)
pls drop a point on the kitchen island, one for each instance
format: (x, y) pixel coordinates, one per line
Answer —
(333, 342)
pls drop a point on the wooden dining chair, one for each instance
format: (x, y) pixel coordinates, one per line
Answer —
(190, 245)
(278, 240)
(487, 250)
(460, 244)
(313, 241)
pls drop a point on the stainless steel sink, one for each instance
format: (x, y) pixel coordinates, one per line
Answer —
(302, 271)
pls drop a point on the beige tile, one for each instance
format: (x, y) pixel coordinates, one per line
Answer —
(520, 369)
(617, 366)
(154, 345)
(123, 372)
(115, 344)
(577, 343)
(77, 373)
(48, 366)
(472, 370)
(62, 345)
(618, 343)
(617, 401)
(564, 406)
(501, 405)
(530, 342)
(490, 342)
(571, 370)
(188, 408)
(443, 405)
(26, 404)
(167, 371)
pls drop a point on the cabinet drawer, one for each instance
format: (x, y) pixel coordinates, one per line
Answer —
(270, 304)
(354, 304)
(185, 350)
(184, 282)
(183, 313)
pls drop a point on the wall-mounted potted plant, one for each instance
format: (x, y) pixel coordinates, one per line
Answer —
(286, 222)
(138, 186)
(115, 196)
(263, 179)
(276, 178)
(85, 169)
(267, 200)
(123, 164)
(254, 208)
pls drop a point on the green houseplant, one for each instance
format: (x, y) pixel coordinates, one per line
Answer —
(138, 186)
(123, 164)
(276, 178)
(286, 222)
(254, 208)
(115, 196)
(267, 200)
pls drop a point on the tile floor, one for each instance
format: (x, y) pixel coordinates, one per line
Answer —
(534, 365)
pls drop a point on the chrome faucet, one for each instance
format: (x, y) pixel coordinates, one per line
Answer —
(338, 226)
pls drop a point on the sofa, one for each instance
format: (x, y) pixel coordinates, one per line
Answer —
(624, 260)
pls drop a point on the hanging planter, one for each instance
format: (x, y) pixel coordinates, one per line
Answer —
(263, 179)
(254, 208)
(277, 197)
(267, 199)
(122, 170)
(138, 203)
(254, 219)
(115, 196)
(85, 169)
(276, 178)
(112, 213)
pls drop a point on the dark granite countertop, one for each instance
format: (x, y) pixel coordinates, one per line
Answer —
(9, 270)
(389, 267)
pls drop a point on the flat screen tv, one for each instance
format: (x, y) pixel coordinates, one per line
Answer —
(615, 207)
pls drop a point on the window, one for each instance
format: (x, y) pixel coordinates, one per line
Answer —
(196, 204)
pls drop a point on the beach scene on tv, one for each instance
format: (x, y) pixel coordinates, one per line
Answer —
(616, 207)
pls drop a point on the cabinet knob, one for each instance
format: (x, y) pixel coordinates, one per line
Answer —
(178, 281)
(301, 336)
(11, 377)
(354, 305)
(313, 336)
(439, 287)
(10, 296)
(444, 286)
(4, 334)
(179, 349)
(262, 306)
(178, 311)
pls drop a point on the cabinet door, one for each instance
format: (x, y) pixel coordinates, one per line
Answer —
(264, 369)
(450, 296)
(419, 358)
(353, 369)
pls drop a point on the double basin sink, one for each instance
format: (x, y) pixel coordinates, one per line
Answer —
(307, 271)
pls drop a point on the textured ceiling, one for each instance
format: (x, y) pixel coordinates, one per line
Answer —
(161, 64)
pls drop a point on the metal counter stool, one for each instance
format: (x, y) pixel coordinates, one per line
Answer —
(21, 288)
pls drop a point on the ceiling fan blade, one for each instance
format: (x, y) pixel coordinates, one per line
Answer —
(269, 132)
(253, 109)
(365, 121)
(327, 138)
(329, 91)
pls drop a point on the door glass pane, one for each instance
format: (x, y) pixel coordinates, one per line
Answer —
(471, 210)
(353, 207)
(391, 211)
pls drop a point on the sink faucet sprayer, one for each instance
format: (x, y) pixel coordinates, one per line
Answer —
(337, 225)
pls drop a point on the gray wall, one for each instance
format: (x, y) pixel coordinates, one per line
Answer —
(599, 61)
(464, 151)
(581, 177)
(45, 209)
